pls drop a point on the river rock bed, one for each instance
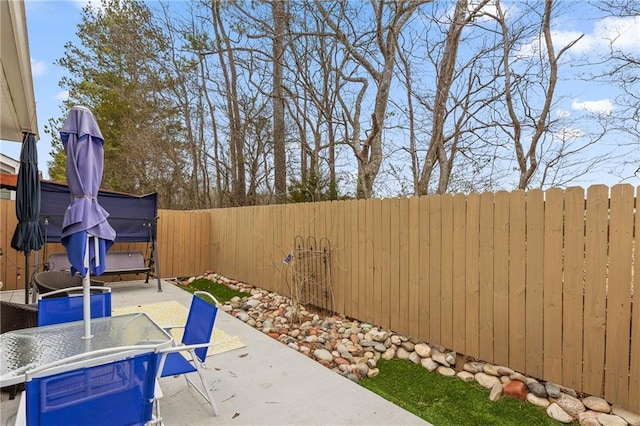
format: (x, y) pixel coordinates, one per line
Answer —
(352, 348)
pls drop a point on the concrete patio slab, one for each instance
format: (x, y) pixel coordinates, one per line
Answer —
(264, 383)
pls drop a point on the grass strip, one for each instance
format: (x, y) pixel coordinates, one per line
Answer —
(445, 401)
(220, 291)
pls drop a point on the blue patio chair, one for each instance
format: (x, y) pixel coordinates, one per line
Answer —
(53, 309)
(111, 387)
(195, 341)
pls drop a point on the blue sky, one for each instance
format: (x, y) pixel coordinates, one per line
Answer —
(52, 23)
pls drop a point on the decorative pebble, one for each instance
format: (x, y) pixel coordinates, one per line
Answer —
(495, 393)
(588, 420)
(610, 420)
(414, 358)
(323, 354)
(472, 367)
(504, 371)
(571, 405)
(451, 358)
(243, 316)
(429, 364)
(537, 389)
(553, 390)
(536, 400)
(446, 371)
(558, 414)
(596, 404)
(632, 418)
(515, 389)
(408, 346)
(423, 350)
(440, 358)
(465, 376)
(402, 354)
(490, 370)
(486, 380)
(521, 378)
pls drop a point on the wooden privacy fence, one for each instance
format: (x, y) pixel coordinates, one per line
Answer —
(539, 281)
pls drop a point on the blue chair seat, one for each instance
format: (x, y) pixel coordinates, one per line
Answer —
(175, 364)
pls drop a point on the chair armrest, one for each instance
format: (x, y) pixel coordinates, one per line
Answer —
(171, 327)
(186, 347)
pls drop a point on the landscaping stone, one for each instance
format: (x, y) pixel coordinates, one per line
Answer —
(465, 376)
(596, 404)
(486, 380)
(553, 390)
(610, 420)
(588, 418)
(515, 389)
(536, 400)
(423, 350)
(472, 367)
(491, 370)
(558, 414)
(632, 418)
(496, 392)
(537, 389)
(573, 406)
(446, 371)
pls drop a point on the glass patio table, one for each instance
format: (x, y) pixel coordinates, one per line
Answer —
(23, 350)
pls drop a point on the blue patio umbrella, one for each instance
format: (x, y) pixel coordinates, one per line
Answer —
(86, 234)
(27, 235)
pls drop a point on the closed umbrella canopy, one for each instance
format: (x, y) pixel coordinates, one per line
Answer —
(28, 235)
(83, 144)
(85, 220)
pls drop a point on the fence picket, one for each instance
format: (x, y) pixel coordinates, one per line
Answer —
(619, 295)
(597, 222)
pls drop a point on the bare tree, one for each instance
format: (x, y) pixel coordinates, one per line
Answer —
(389, 19)
(528, 124)
(279, 154)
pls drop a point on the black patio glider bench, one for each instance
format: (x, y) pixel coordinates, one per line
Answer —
(118, 263)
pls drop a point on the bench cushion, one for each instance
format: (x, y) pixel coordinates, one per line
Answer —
(118, 262)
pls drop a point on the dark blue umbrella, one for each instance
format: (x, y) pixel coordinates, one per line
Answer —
(86, 234)
(28, 235)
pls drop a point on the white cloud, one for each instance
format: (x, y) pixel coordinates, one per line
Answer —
(623, 33)
(38, 67)
(620, 33)
(62, 96)
(602, 107)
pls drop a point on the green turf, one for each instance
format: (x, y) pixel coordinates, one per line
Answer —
(220, 291)
(444, 400)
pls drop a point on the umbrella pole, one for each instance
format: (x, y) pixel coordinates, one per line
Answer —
(27, 280)
(86, 294)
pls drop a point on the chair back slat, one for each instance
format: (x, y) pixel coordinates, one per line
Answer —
(65, 309)
(199, 326)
